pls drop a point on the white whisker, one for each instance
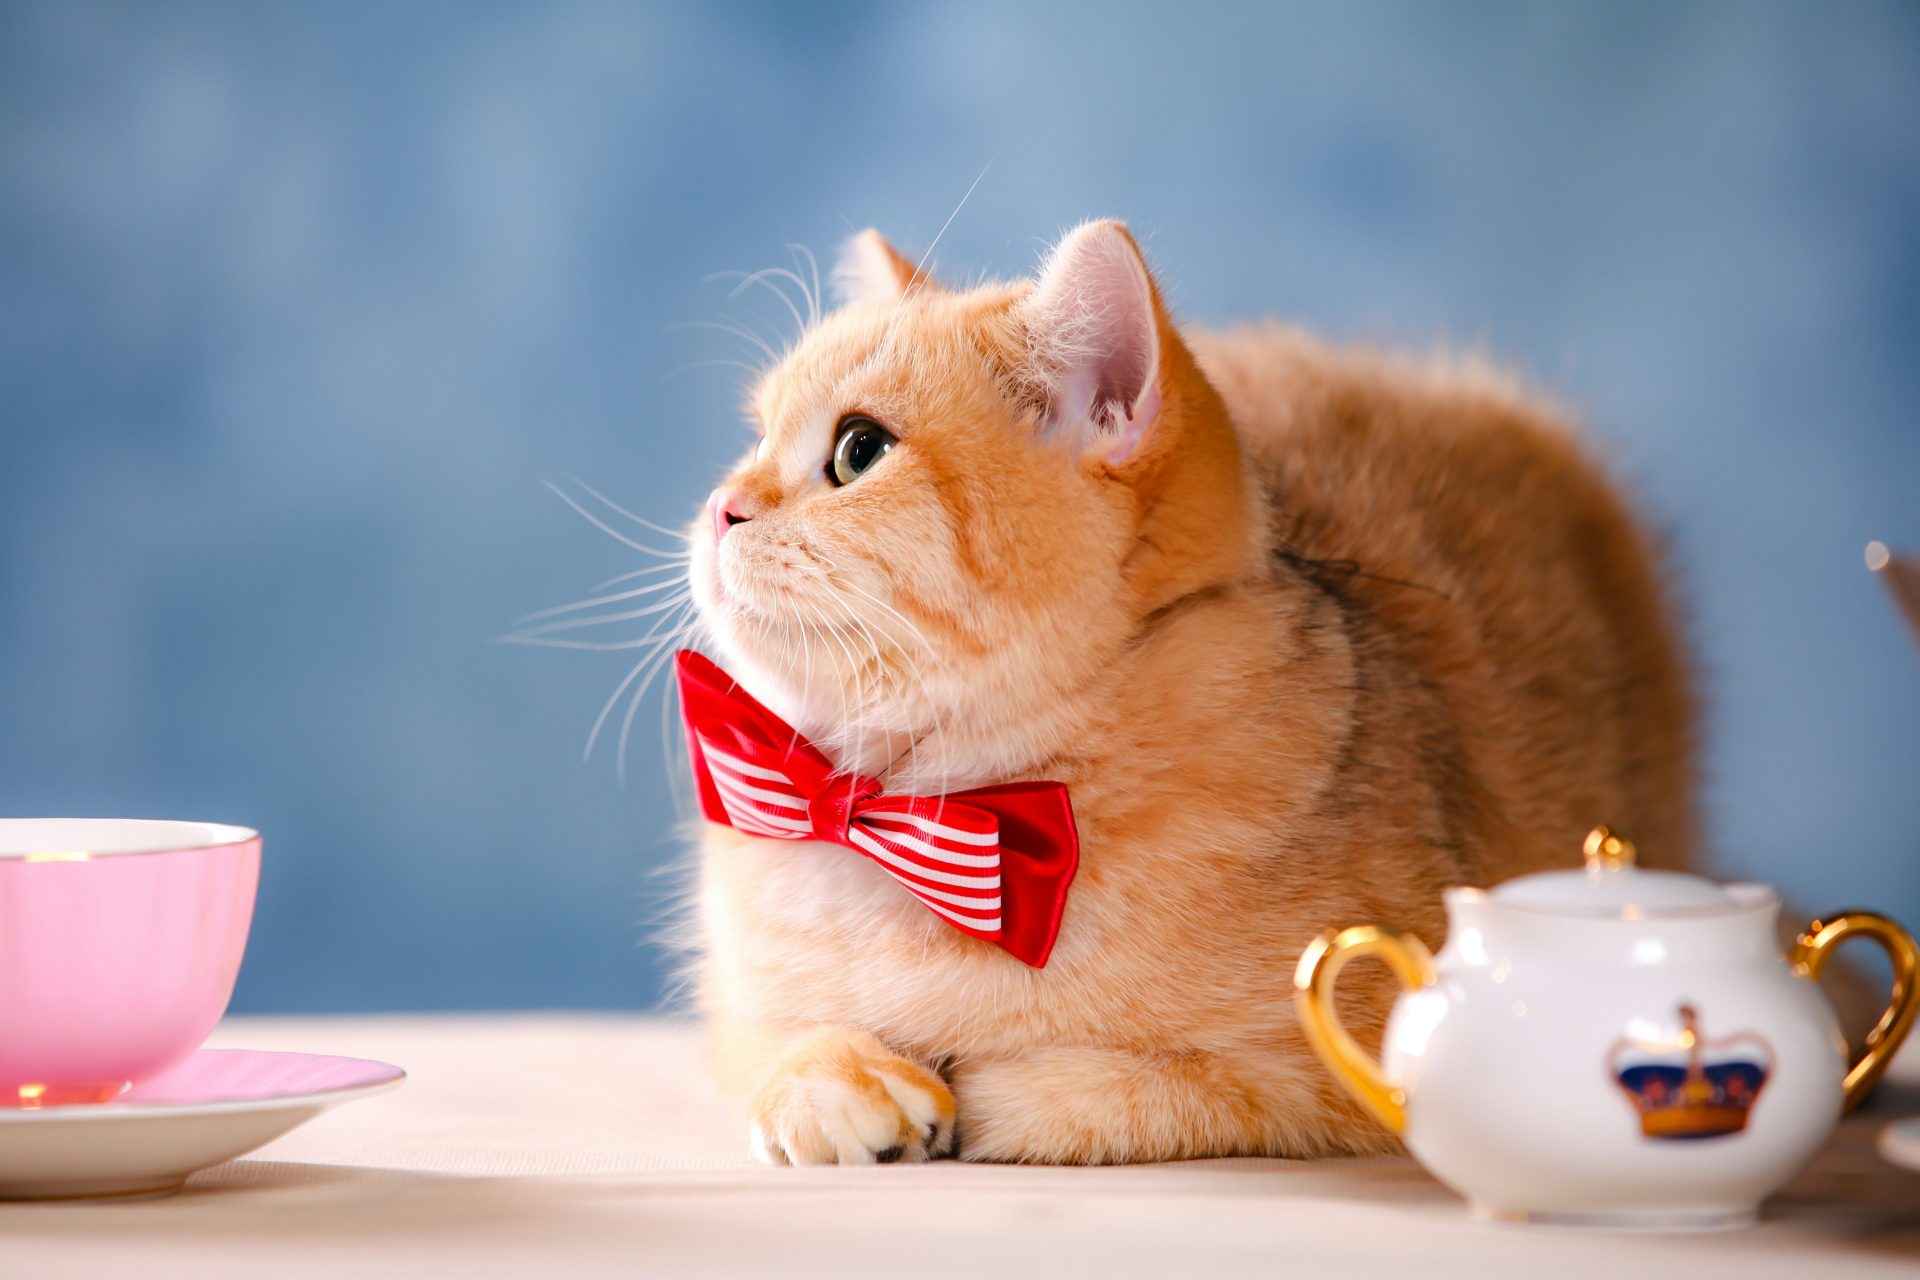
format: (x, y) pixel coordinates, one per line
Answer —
(606, 708)
(547, 642)
(912, 667)
(813, 269)
(613, 699)
(752, 370)
(658, 664)
(920, 268)
(773, 357)
(614, 598)
(677, 762)
(608, 529)
(625, 615)
(765, 278)
(642, 521)
(676, 565)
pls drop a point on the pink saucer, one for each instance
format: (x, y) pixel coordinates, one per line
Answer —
(218, 1104)
(228, 1076)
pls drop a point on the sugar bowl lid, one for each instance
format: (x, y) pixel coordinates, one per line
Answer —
(1611, 885)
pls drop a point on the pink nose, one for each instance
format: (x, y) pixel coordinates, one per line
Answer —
(728, 508)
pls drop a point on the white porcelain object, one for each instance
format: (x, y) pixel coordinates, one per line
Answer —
(217, 1104)
(1900, 1142)
(1611, 1046)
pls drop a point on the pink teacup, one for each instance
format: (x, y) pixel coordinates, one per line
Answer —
(119, 943)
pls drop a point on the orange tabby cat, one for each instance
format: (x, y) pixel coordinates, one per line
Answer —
(1310, 634)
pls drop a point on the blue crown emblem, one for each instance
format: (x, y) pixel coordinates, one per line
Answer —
(1692, 1087)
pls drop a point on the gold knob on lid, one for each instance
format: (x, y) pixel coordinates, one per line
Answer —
(1606, 851)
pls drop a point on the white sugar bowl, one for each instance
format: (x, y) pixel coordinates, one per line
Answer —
(1610, 1046)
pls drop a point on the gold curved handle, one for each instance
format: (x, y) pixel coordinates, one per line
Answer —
(1810, 952)
(1313, 980)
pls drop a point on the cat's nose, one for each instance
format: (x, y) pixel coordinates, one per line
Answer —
(728, 507)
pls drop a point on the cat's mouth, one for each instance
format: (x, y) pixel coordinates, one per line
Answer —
(729, 603)
(758, 609)
(778, 582)
(737, 590)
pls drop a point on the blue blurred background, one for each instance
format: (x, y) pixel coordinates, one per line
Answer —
(299, 305)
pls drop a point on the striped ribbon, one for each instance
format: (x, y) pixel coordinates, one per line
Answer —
(994, 862)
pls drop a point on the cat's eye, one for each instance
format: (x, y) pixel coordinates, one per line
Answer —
(859, 443)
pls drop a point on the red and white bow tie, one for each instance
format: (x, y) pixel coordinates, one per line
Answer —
(995, 862)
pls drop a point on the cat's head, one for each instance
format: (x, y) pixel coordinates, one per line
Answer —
(963, 505)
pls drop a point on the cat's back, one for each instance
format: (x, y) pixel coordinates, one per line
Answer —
(1498, 578)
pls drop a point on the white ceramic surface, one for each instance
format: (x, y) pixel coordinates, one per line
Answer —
(1900, 1142)
(218, 1104)
(1609, 1047)
(1513, 1060)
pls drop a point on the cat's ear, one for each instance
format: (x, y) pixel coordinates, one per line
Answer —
(871, 272)
(1093, 323)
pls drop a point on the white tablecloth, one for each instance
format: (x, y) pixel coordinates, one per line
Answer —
(563, 1146)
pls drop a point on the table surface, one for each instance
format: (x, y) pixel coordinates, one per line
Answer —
(587, 1145)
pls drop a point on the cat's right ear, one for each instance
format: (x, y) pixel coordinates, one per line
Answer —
(871, 272)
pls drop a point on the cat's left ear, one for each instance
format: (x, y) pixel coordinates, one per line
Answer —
(871, 272)
(1093, 327)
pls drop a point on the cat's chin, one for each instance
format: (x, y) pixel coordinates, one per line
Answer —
(813, 702)
(749, 626)
(777, 680)
(745, 632)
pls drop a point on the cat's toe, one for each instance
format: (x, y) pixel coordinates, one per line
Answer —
(851, 1102)
(763, 1146)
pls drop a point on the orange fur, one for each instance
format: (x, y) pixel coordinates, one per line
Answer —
(1341, 631)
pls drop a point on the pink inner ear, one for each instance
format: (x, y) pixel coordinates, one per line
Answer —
(1094, 308)
(869, 272)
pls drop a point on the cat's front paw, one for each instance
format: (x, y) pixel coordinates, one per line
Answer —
(842, 1097)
